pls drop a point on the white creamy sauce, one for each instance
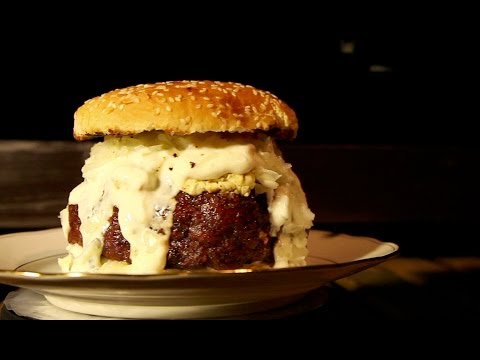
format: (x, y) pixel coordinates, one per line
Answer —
(141, 175)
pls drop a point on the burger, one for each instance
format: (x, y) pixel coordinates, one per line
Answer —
(188, 176)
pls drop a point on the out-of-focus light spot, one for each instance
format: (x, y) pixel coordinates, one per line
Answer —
(379, 68)
(347, 47)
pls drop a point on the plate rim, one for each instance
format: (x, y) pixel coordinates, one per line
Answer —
(80, 277)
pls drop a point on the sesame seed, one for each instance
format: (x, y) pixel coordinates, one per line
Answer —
(171, 99)
(210, 106)
(206, 98)
(198, 106)
(255, 92)
(168, 108)
(202, 90)
(214, 114)
(178, 98)
(193, 97)
(127, 99)
(121, 107)
(157, 111)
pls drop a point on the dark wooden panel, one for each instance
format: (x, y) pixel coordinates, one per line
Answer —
(36, 178)
(344, 183)
(351, 183)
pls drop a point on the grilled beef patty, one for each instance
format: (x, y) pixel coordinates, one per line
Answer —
(215, 230)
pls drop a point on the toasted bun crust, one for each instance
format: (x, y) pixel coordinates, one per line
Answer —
(185, 107)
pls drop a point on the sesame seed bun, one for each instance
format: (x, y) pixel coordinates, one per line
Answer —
(185, 107)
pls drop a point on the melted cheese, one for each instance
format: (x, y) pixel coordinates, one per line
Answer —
(141, 175)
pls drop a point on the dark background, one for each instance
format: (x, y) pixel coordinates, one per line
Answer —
(391, 154)
(422, 97)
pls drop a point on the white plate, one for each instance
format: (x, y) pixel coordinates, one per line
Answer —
(29, 260)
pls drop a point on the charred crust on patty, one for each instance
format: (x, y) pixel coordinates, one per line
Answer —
(215, 230)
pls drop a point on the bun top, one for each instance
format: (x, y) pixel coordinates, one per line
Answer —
(185, 107)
